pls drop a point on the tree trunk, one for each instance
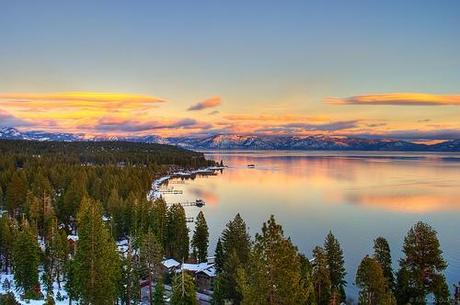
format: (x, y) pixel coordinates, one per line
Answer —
(150, 288)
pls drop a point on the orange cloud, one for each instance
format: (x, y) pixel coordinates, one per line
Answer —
(209, 103)
(275, 117)
(72, 100)
(398, 99)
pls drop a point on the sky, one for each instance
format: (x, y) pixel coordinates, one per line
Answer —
(385, 69)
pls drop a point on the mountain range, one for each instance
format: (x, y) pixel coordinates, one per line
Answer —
(253, 142)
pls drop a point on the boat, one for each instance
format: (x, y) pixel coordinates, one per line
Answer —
(251, 165)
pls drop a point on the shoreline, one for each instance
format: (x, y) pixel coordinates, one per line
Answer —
(155, 193)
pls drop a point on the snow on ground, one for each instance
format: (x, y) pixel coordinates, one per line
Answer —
(156, 184)
(12, 289)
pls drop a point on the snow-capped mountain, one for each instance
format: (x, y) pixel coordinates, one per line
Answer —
(243, 142)
(10, 133)
(316, 142)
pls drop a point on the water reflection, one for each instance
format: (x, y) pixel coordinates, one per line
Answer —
(358, 196)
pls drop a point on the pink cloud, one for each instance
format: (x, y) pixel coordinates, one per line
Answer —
(209, 103)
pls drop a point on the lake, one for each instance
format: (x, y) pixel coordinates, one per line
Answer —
(357, 195)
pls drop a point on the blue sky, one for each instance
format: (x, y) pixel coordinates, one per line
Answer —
(258, 57)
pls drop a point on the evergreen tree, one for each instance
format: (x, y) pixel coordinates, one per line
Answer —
(321, 276)
(372, 283)
(200, 240)
(8, 299)
(130, 277)
(336, 265)
(229, 278)
(306, 272)
(273, 274)
(71, 285)
(97, 261)
(177, 239)
(236, 238)
(26, 258)
(183, 290)
(404, 291)
(219, 257)
(423, 261)
(218, 296)
(115, 210)
(6, 242)
(236, 246)
(159, 210)
(16, 193)
(73, 197)
(158, 296)
(151, 255)
(383, 255)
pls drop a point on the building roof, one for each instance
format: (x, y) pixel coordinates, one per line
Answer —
(170, 263)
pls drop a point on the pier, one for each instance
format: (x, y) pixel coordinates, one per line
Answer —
(197, 203)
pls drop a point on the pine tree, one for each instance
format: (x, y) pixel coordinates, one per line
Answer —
(71, 285)
(6, 242)
(219, 257)
(306, 272)
(273, 273)
(423, 261)
(73, 197)
(97, 261)
(183, 290)
(151, 255)
(236, 249)
(229, 278)
(336, 264)
(16, 193)
(26, 258)
(372, 283)
(56, 250)
(8, 299)
(130, 271)
(383, 255)
(218, 297)
(177, 239)
(159, 211)
(321, 276)
(114, 208)
(158, 296)
(404, 291)
(200, 240)
(236, 238)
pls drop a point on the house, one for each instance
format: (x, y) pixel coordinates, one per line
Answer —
(204, 274)
(170, 265)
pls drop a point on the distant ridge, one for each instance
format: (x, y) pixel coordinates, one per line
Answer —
(254, 142)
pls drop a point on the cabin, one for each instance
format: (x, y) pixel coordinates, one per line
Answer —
(203, 273)
(170, 265)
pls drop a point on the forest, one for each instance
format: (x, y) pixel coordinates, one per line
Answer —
(76, 227)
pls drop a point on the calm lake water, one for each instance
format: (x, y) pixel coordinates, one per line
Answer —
(359, 196)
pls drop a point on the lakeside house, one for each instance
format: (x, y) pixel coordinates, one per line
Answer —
(203, 273)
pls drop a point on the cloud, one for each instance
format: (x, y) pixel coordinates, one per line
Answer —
(305, 127)
(209, 103)
(8, 120)
(275, 117)
(117, 125)
(71, 101)
(397, 99)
